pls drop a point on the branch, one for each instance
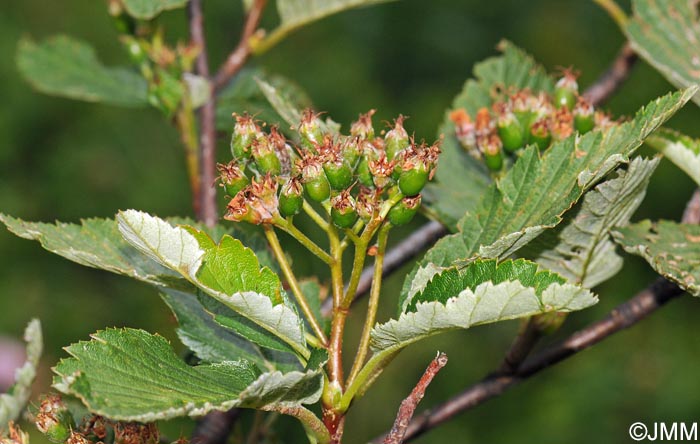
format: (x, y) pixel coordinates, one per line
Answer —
(207, 123)
(235, 61)
(409, 405)
(623, 316)
(614, 77)
(215, 427)
(397, 256)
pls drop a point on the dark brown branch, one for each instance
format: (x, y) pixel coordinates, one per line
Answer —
(409, 405)
(397, 256)
(206, 207)
(625, 315)
(215, 427)
(612, 79)
(235, 61)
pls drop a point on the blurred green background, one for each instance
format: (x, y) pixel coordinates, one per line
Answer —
(64, 160)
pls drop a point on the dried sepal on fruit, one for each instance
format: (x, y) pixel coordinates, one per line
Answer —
(54, 419)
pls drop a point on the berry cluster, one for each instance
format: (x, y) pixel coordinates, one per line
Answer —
(356, 177)
(527, 118)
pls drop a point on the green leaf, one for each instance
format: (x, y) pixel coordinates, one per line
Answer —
(460, 179)
(680, 149)
(244, 95)
(15, 400)
(297, 13)
(67, 67)
(480, 293)
(666, 33)
(538, 190)
(131, 375)
(283, 103)
(580, 249)
(228, 272)
(206, 338)
(672, 250)
(147, 9)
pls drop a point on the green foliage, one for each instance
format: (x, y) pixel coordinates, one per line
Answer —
(66, 67)
(131, 375)
(580, 248)
(538, 190)
(461, 180)
(200, 261)
(13, 402)
(666, 33)
(672, 250)
(148, 9)
(244, 94)
(680, 149)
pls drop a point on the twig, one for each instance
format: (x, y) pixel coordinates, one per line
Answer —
(397, 256)
(408, 405)
(235, 61)
(612, 79)
(207, 123)
(215, 427)
(625, 315)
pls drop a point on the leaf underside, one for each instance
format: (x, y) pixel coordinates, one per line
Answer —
(13, 402)
(147, 9)
(580, 248)
(672, 250)
(683, 151)
(666, 33)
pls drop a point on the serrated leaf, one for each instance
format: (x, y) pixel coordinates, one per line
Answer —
(580, 249)
(94, 243)
(672, 250)
(207, 339)
(461, 179)
(297, 13)
(67, 67)
(680, 149)
(147, 9)
(666, 33)
(538, 190)
(228, 272)
(131, 375)
(244, 95)
(284, 105)
(480, 293)
(15, 400)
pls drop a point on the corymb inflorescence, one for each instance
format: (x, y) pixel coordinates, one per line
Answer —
(526, 118)
(366, 175)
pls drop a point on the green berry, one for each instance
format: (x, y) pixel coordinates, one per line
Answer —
(268, 163)
(510, 132)
(291, 198)
(245, 132)
(404, 211)
(412, 181)
(363, 128)
(364, 175)
(566, 91)
(232, 178)
(339, 174)
(310, 130)
(584, 116)
(318, 189)
(54, 419)
(540, 135)
(343, 212)
(493, 155)
(396, 140)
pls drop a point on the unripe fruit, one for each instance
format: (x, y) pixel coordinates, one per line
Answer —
(339, 174)
(266, 159)
(493, 156)
(566, 91)
(584, 119)
(540, 135)
(363, 128)
(54, 419)
(412, 181)
(343, 212)
(310, 130)
(396, 140)
(510, 132)
(232, 178)
(244, 133)
(404, 210)
(363, 173)
(318, 189)
(291, 199)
